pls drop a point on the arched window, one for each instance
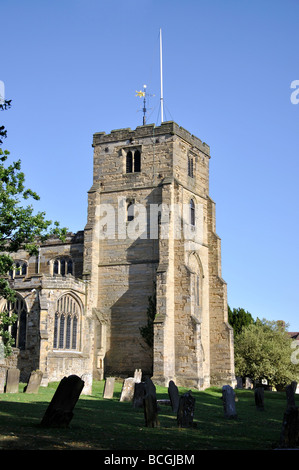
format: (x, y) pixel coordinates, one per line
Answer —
(192, 212)
(66, 322)
(19, 269)
(19, 328)
(129, 162)
(137, 162)
(63, 266)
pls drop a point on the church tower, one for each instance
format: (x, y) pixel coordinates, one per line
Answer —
(151, 232)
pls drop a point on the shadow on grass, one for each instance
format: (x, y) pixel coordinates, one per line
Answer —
(112, 425)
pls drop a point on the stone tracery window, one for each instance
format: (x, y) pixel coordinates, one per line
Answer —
(20, 269)
(19, 328)
(133, 161)
(66, 323)
(63, 266)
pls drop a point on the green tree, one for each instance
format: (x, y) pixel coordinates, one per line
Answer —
(20, 227)
(147, 331)
(263, 351)
(238, 318)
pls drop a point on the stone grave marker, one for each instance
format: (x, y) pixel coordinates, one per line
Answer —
(150, 405)
(87, 379)
(3, 374)
(259, 398)
(174, 397)
(12, 381)
(290, 393)
(138, 375)
(289, 437)
(185, 412)
(127, 391)
(60, 410)
(34, 382)
(109, 387)
(229, 403)
(139, 392)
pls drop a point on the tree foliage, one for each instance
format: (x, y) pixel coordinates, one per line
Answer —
(147, 331)
(20, 227)
(238, 318)
(263, 351)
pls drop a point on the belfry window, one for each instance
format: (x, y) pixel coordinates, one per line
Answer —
(133, 161)
(190, 167)
(192, 212)
(18, 329)
(66, 323)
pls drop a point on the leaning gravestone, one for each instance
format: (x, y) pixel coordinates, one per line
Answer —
(109, 387)
(139, 392)
(174, 397)
(228, 397)
(60, 410)
(290, 393)
(12, 381)
(289, 437)
(185, 412)
(259, 398)
(3, 373)
(150, 405)
(127, 391)
(34, 382)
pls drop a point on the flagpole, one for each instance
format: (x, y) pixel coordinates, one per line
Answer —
(161, 76)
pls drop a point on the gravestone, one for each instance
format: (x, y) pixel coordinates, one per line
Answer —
(138, 375)
(127, 391)
(150, 405)
(185, 412)
(290, 429)
(3, 373)
(60, 410)
(290, 393)
(229, 404)
(174, 397)
(12, 381)
(139, 393)
(239, 382)
(87, 379)
(34, 382)
(109, 387)
(259, 398)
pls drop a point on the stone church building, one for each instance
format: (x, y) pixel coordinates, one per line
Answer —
(150, 231)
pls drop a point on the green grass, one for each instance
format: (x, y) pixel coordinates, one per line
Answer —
(113, 425)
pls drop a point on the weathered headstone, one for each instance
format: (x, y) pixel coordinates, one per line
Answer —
(259, 398)
(60, 410)
(3, 373)
(229, 404)
(290, 393)
(239, 382)
(127, 391)
(185, 412)
(290, 429)
(150, 405)
(174, 397)
(109, 387)
(87, 379)
(138, 375)
(139, 393)
(12, 381)
(34, 382)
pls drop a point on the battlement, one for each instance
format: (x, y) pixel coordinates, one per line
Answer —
(150, 130)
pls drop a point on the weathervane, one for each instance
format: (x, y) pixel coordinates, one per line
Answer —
(143, 94)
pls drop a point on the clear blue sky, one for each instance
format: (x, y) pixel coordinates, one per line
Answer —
(71, 68)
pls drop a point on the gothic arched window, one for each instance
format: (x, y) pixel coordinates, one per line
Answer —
(19, 328)
(66, 322)
(133, 161)
(129, 162)
(192, 212)
(63, 266)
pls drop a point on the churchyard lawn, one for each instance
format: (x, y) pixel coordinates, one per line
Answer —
(109, 424)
